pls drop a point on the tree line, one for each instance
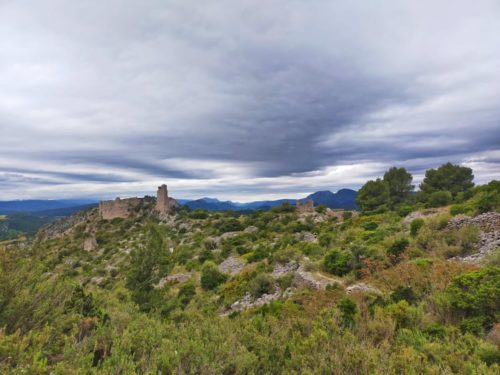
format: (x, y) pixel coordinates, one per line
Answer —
(394, 191)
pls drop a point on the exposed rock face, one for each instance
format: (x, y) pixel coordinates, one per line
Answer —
(232, 266)
(303, 277)
(164, 204)
(119, 208)
(281, 270)
(89, 244)
(251, 229)
(305, 237)
(217, 240)
(175, 278)
(305, 207)
(248, 301)
(489, 224)
(65, 225)
(362, 287)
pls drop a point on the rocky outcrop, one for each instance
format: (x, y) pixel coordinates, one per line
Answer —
(90, 243)
(175, 278)
(362, 288)
(305, 237)
(65, 225)
(232, 266)
(251, 229)
(489, 225)
(281, 270)
(248, 301)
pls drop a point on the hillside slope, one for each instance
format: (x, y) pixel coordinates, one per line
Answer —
(280, 291)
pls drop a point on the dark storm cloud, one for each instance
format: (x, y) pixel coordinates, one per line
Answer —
(232, 98)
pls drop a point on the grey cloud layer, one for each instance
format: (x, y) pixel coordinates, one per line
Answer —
(239, 98)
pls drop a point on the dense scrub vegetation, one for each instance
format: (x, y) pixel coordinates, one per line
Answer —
(111, 310)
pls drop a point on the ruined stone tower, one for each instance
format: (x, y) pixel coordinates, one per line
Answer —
(162, 201)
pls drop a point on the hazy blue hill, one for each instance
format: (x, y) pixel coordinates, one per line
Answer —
(344, 198)
(211, 204)
(34, 205)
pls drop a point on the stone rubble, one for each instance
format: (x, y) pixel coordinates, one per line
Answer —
(489, 224)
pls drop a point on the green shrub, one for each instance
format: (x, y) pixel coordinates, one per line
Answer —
(476, 294)
(321, 209)
(458, 209)
(346, 215)
(371, 225)
(199, 214)
(337, 262)
(398, 247)
(439, 198)
(258, 254)
(186, 292)
(402, 293)
(490, 355)
(404, 210)
(262, 284)
(474, 325)
(211, 277)
(415, 226)
(348, 310)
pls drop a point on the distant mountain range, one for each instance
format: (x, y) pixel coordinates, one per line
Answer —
(344, 198)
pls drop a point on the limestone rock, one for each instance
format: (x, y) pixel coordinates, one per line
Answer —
(489, 225)
(362, 287)
(90, 244)
(281, 270)
(175, 278)
(232, 266)
(305, 237)
(251, 229)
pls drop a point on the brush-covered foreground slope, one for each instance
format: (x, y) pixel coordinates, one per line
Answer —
(261, 293)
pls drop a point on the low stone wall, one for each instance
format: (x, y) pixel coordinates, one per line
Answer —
(119, 208)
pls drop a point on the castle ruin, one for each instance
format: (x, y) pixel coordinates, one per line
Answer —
(163, 202)
(121, 208)
(304, 207)
(124, 208)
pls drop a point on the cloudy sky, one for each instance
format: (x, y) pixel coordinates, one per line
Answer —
(242, 99)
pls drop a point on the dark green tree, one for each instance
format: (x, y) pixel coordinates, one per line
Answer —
(447, 177)
(373, 196)
(398, 181)
(348, 310)
(147, 264)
